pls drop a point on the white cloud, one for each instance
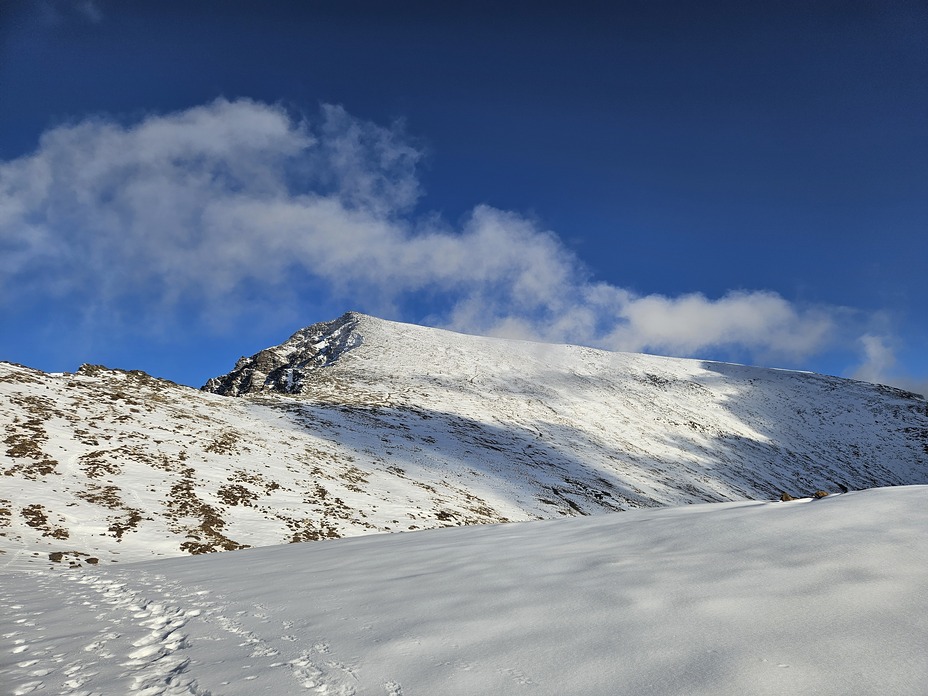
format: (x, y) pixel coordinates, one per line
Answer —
(233, 204)
(879, 365)
(879, 359)
(754, 320)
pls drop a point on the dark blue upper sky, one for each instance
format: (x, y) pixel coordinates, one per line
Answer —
(674, 147)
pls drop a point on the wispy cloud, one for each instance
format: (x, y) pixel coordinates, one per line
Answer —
(879, 365)
(58, 11)
(231, 205)
(879, 358)
(90, 9)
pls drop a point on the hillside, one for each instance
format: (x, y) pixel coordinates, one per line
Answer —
(361, 425)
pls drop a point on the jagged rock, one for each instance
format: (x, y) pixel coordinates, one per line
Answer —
(284, 368)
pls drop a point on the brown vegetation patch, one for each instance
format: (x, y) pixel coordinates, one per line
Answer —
(319, 491)
(328, 510)
(96, 464)
(37, 518)
(236, 494)
(254, 479)
(207, 536)
(107, 496)
(85, 438)
(353, 475)
(73, 558)
(120, 525)
(226, 443)
(88, 370)
(309, 530)
(27, 436)
(22, 375)
(25, 445)
(164, 462)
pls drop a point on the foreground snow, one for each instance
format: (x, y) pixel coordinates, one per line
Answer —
(827, 597)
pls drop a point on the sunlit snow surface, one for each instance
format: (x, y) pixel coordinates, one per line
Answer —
(390, 427)
(814, 596)
(395, 427)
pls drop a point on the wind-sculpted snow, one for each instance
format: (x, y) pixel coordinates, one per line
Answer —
(825, 597)
(359, 426)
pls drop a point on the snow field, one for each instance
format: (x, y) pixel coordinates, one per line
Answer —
(809, 597)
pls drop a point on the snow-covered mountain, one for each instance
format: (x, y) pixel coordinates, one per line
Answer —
(361, 425)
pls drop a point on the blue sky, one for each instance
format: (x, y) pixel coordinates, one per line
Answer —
(182, 183)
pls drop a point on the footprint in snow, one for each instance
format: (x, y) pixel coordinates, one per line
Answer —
(393, 689)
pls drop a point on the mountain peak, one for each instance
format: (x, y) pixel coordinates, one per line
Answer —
(284, 368)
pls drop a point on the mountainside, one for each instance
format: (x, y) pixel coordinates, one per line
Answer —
(361, 425)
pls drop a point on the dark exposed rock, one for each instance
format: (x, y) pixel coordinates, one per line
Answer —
(284, 368)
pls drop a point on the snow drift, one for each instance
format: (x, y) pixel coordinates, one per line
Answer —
(809, 597)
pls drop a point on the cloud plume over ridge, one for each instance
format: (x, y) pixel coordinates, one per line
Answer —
(237, 201)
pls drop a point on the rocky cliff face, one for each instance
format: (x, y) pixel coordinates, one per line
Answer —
(284, 368)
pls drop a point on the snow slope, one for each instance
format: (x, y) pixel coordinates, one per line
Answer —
(360, 425)
(807, 597)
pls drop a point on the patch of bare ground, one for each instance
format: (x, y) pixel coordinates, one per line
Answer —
(105, 496)
(184, 504)
(27, 436)
(254, 479)
(353, 476)
(241, 488)
(127, 523)
(236, 494)
(328, 511)
(306, 529)
(99, 463)
(481, 512)
(72, 558)
(139, 378)
(225, 443)
(476, 513)
(20, 374)
(476, 510)
(85, 437)
(36, 517)
(162, 461)
(108, 496)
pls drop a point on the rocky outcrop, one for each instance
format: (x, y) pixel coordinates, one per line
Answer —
(285, 368)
